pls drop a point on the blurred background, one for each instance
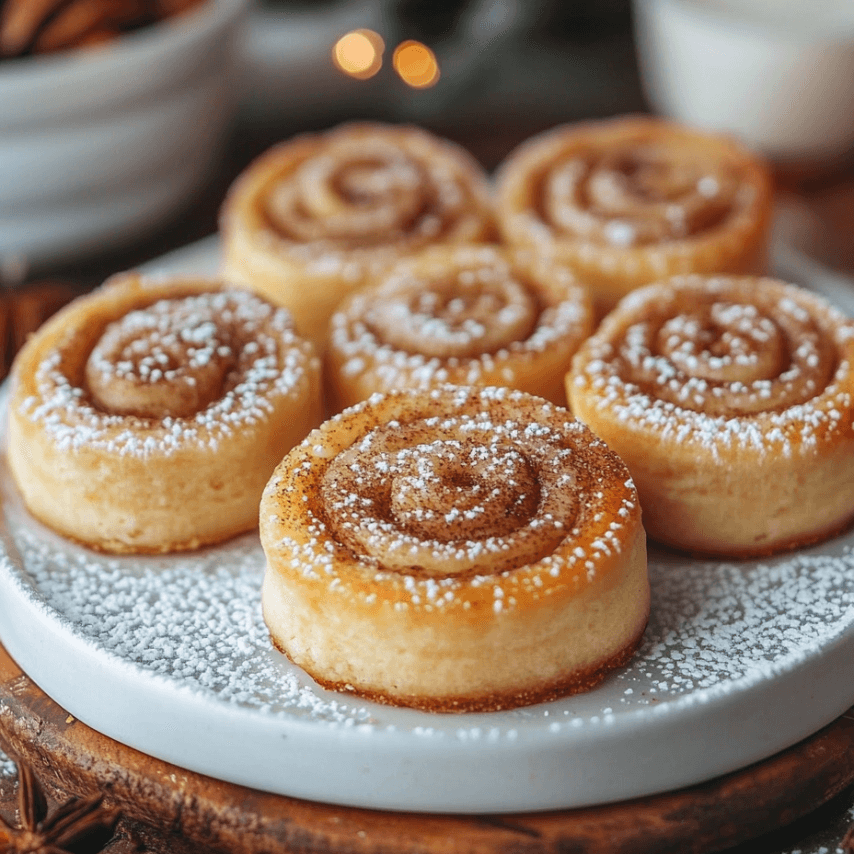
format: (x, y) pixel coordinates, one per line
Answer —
(483, 71)
(121, 147)
(133, 158)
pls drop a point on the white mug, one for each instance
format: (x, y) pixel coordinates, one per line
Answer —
(777, 73)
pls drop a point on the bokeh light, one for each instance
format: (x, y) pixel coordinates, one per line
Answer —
(416, 64)
(359, 53)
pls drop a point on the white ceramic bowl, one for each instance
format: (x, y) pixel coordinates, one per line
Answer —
(99, 145)
(778, 73)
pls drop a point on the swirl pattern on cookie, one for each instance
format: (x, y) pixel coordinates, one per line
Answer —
(315, 216)
(731, 400)
(629, 201)
(418, 533)
(476, 315)
(148, 415)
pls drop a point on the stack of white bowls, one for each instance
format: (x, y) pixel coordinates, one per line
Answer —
(98, 145)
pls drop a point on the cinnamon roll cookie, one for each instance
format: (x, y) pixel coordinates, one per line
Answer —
(477, 315)
(632, 200)
(148, 415)
(315, 216)
(454, 549)
(731, 400)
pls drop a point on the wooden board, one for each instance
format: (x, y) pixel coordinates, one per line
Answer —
(180, 810)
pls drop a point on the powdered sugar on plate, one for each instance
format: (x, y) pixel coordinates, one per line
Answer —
(740, 660)
(195, 620)
(170, 655)
(720, 626)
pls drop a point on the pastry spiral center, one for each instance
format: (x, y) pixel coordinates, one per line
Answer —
(729, 343)
(637, 195)
(732, 358)
(446, 500)
(447, 491)
(351, 192)
(464, 315)
(170, 359)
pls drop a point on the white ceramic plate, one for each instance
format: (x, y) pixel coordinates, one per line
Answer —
(170, 655)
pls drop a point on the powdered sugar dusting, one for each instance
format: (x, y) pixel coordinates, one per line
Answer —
(365, 194)
(741, 621)
(628, 189)
(466, 315)
(637, 191)
(261, 360)
(500, 490)
(196, 621)
(724, 362)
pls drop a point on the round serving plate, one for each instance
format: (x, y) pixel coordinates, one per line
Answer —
(170, 655)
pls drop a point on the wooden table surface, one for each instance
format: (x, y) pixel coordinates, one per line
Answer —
(177, 810)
